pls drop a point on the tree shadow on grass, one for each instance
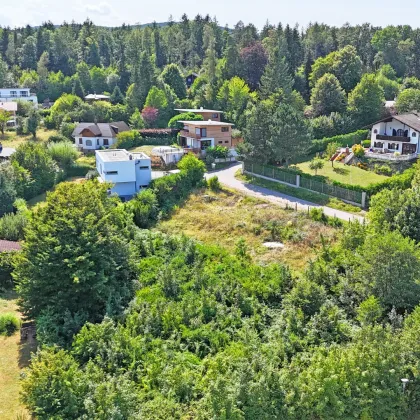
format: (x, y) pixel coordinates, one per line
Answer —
(341, 171)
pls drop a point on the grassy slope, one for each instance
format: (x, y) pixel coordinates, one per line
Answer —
(13, 357)
(232, 216)
(11, 139)
(346, 174)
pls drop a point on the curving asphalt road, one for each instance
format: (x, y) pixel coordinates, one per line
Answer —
(227, 177)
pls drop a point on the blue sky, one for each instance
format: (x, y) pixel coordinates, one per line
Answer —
(115, 12)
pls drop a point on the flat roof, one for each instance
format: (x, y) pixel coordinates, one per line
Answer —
(120, 155)
(95, 96)
(217, 123)
(198, 110)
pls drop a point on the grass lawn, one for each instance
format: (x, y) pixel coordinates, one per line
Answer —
(343, 173)
(232, 216)
(145, 149)
(11, 139)
(14, 356)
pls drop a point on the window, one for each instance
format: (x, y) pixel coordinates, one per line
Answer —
(400, 133)
(205, 144)
(215, 115)
(414, 134)
(143, 168)
(111, 173)
(204, 132)
(106, 142)
(80, 141)
(375, 131)
(13, 94)
(225, 129)
(226, 141)
(88, 142)
(24, 93)
(97, 142)
(220, 142)
(393, 146)
(378, 144)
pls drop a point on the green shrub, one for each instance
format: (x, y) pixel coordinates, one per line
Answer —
(63, 153)
(317, 215)
(12, 225)
(6, 268)
(366, 143)
(185, 116)
(127, 140)
(217, 152)
(9, 324)
(78, 169)
(57, 138)
(66, 130)
(343, 140)
(145, 208)
(382, 170)
(214, 183)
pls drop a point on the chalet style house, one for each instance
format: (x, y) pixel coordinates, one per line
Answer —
(93, 136)
(396, 137)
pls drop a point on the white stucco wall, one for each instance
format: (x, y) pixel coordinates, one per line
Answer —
(97, 142)
(387, 129)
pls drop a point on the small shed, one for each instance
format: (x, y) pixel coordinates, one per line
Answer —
(168, 154)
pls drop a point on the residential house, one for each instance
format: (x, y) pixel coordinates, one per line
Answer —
(198, 135)
(11, 108)
(189, 80)
(396, 137)
(93, 136)
(14, 94)
(128, 172)
(94, 97)
(207, 114)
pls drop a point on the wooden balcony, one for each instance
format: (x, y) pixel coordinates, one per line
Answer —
(393, 138)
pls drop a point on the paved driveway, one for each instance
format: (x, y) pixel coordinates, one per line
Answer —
(227, 177)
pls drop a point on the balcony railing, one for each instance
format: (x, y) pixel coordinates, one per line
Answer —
(393, 138)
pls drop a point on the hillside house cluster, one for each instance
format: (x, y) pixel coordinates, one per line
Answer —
(14, 94)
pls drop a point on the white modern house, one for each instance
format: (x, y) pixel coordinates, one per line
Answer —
(93, 136)
(14, 94)
(128, 172)
(396, 137)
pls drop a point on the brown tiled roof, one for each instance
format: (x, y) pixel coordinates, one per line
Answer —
(9, 246)
(102, 129)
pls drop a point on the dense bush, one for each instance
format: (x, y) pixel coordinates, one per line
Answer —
(145, 208)
(128, 140)
(217, 152)
(57, 138)
(12, 226)
(9, 324)
(185, 116)
(214, 183)
(6, 268)
(343, 140)
(63, 153)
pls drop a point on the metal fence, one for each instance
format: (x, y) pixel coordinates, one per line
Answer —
(357, 197)
(271, 172)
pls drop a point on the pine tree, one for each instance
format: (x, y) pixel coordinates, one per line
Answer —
(78, 88)
(117, 97)
(171, 75)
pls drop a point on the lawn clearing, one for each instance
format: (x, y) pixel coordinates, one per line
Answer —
(11, 139)
(232, 216)
(147, 149)
(344, 173)
(14, 356)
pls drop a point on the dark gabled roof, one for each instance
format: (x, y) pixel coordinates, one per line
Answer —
(7, 246)
(102, 129)
(411, 119)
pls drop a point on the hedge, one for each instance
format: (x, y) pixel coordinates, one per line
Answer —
(343, 140)
(77, 170)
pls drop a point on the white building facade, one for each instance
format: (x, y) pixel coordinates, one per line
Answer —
(128, 172)
(397, 135)
(94, 136)
(14, 94)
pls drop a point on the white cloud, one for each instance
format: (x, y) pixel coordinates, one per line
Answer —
(102, 9)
